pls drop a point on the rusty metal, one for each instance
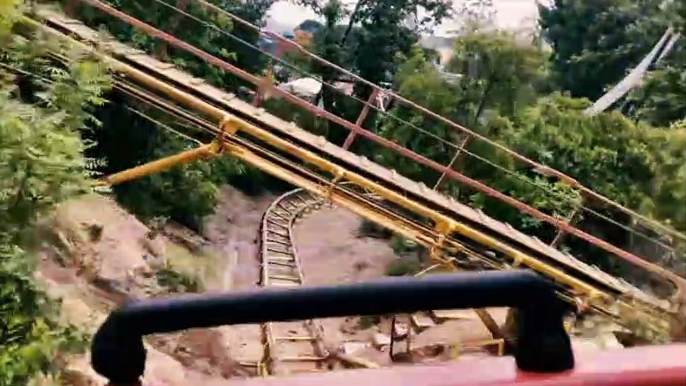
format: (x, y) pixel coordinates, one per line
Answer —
(300, 176)
(571, 219)
(471, 135)
(360, 119)
(679, 282)
(639, 366)
(455, 160)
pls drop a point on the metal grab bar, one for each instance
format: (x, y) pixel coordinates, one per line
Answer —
(117, 351)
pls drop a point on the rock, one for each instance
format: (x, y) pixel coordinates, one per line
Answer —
(352, 347)
(401, 330)
(379, 340)
(603, 341)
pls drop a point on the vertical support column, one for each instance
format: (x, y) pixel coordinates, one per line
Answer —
(262, 90)
(570, 220)
(360, 119)
(458, 155)
(70, 7)
(176, 19)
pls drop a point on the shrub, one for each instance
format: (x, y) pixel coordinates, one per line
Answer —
(403, 266)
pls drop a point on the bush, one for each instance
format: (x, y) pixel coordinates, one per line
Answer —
(45, 106)
(31, 338)
(370, 229)
(403, 266)
(179, 281)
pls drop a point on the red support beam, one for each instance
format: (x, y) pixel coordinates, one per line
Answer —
(267, 80)
(360, 119)
(642, 366)
(453, 161)
(473, 135)
(559, 224)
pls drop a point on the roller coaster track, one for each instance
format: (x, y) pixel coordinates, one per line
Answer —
(455, 234)
(290, 347)
(635, 77)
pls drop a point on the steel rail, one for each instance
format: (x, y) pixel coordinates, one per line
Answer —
(369, 199)
(460, 148)
(280, 267)
(440, 237)
(679, 282)
(535, 165)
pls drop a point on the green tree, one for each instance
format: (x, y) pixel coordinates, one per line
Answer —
(44, 106)
(669, 184)
(636, 165)
(491, 76)
(508, 74)
(187, 193)
(385, 33)
(661, 99)
(596, 43)
(419, 81)
(205, 28)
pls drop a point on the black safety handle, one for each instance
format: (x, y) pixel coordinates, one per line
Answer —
(543, 345)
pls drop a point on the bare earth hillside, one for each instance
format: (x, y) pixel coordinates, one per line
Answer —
(96, 255)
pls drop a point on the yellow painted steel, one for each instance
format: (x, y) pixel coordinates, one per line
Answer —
(437, 239)
(162, 164)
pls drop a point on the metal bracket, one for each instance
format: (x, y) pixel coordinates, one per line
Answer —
(444, 229)
(228, 126)
(340, 174)
(582, 304)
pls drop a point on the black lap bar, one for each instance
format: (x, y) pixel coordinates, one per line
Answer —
(117, 351)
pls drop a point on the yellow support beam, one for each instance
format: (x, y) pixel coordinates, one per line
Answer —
(159, 165)
(258, 157)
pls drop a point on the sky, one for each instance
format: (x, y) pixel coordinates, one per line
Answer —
(509, 14)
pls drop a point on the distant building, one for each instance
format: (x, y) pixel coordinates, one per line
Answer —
(304, 33)
(311, 26)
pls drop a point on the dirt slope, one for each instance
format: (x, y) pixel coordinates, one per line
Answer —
(97, 255)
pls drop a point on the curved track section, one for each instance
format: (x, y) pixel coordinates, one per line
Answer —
(451, 230)
(290, 347)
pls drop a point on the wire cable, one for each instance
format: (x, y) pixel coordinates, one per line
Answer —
(517, 156)
(419, 129)
(512, 201)
(164, 126)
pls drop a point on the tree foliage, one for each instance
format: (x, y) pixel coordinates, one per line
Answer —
(507, 73)
(55, 126)
(44, 108)
(185, 193)
(661, 99)
(496, 77)
(596, 43)
(502, 84)
(199, 26)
